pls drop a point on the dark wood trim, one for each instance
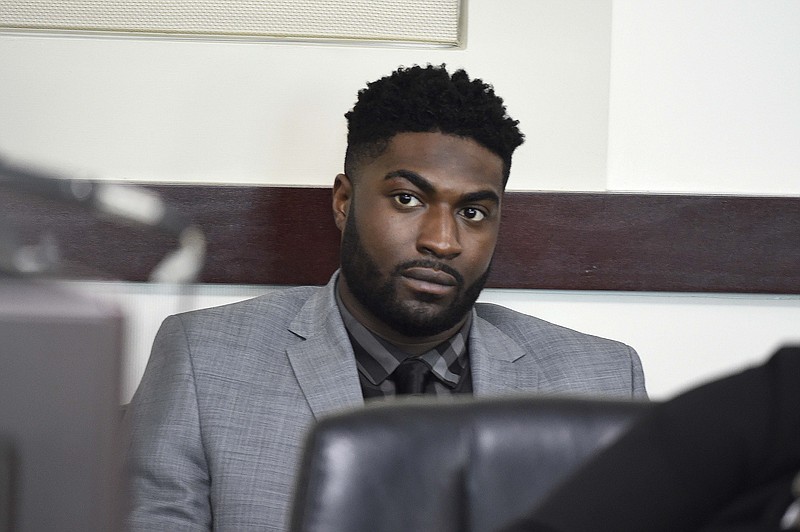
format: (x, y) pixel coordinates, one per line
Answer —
(549, 240)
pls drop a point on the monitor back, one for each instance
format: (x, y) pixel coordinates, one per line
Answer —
(60, 363)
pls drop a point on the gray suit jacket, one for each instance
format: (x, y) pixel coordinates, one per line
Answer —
(218, 422)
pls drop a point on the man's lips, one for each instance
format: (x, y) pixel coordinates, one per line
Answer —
(430, 275)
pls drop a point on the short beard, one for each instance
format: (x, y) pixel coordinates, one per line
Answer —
(380, 298)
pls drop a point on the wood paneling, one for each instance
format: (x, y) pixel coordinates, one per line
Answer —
(575, 241)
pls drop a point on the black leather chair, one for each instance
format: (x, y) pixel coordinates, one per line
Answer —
(460, 465)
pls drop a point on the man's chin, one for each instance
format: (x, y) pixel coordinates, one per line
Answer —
(428, 302)
(424, 319)
(426, 306)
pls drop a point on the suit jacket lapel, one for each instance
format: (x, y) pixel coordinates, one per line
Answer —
(323, 361)
(492, 356)
(325, 367)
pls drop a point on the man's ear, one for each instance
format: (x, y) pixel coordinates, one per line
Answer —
(342, 195)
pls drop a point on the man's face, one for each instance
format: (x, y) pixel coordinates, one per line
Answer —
(419, 226)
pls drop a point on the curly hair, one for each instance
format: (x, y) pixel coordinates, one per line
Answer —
(428, 99)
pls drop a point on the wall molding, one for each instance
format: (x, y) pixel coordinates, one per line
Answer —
(549, 240)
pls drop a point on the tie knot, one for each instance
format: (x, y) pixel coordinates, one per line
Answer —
(411, 376)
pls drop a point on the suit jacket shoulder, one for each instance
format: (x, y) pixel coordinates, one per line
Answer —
(276, 307)
(228, 395)
(568, 361)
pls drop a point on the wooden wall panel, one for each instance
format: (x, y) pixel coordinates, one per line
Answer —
(549, 240)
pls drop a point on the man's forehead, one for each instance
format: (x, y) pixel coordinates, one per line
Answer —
(440, 159)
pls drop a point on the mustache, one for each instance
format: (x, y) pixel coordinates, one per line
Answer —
(432, 264)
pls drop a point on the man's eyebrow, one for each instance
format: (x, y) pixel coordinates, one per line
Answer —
(413, 177)
(481, 195)
(427, 187)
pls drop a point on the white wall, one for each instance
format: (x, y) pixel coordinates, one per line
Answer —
(652, 96)
(704, 96)
(236, 112)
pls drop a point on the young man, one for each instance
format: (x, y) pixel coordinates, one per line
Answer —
(219, 418)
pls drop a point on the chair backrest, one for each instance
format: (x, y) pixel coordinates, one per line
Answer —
(457, 465)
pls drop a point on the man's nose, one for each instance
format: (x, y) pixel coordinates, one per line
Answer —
(439, 234)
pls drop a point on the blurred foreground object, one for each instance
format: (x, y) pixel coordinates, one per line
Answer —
(721, 457)
(447, 466)
(60, 424)
(128, 204)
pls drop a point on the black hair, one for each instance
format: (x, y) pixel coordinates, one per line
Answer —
(428, 99)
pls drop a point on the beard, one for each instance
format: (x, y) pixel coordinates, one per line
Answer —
(412, 318)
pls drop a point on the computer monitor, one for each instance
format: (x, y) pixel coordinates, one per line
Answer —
(60, 364)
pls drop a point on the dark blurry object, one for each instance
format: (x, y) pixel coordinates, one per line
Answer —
(447, 467)
(60, 360)
(123, 203)
(721, 457)
(7, 465)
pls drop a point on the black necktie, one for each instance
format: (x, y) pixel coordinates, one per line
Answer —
(411, 376)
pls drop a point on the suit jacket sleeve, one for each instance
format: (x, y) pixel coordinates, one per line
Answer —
(637, 375)
(166, 461)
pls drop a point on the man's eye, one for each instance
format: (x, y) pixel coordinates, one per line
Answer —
(471, 213)
(407, 200)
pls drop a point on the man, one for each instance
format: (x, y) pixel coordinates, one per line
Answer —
(219, 418)
(722, 457)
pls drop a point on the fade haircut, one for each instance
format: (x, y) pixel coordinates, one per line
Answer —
(428, 99)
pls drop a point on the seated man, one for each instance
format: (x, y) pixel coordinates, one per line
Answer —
(721, 457)
(219, 418)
